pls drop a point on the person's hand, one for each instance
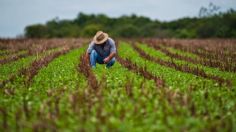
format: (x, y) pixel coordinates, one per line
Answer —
(106, 60)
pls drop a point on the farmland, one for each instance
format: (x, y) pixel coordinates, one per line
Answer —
(155, 85)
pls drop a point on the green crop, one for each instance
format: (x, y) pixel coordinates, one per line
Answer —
(52, 91)
(209, 70)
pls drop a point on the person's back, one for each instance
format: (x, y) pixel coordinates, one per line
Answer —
(101, 50)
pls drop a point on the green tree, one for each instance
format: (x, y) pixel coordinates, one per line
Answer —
(128, 31)
(90, 30)
(36, 31)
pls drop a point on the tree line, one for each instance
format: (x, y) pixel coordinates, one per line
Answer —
(213, 25)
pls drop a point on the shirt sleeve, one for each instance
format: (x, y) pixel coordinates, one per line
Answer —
(91, 47)
(113, 46)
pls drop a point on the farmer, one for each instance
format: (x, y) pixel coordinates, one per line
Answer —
(101, 50)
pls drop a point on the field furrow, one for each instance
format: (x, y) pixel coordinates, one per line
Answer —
(84, 68)
(38, 64)
(13, 57)
(203, 92)
(133, 67)
(218, 60)
(15, 53)
(44, 101)
(210, 63)
(128, 90)
(11, 70)
(228, 66)
(208, 70)
(33, 47)
(154, 85)
(183, 68)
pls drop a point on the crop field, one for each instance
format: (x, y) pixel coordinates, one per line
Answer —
(154, 85)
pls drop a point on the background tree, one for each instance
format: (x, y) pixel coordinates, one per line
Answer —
(210, 24)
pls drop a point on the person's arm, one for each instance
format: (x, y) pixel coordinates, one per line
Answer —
(107, 59)
(112, 51)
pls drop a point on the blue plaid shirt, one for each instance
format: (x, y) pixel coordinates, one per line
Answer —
(103, 50)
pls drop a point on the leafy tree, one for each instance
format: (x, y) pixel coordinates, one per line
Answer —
(210, 24)
(128, 31)
(90, 30)
(36, 31)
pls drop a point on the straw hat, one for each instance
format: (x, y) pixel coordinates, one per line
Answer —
(100, 37)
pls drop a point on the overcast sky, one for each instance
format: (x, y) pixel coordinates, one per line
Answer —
(16, 14)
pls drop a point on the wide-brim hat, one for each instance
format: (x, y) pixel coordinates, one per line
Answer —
(100, 37)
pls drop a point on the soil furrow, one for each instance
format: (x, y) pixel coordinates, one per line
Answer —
(213, 59)
(141, 70)
(86, 70)
(13, 58)
(35, 66)
(204, 62)
(182, 68)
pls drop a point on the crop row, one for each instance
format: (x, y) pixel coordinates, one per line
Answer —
(19, 61)
(146, 105)
(35, 65)
(222, 54)
(53, 106)
(10, 70)
(208, 70)
(13, 57)
(32, 47)
(206, 97)
(135, 94)
(183, 68)
(133, 67)
(5, 53)
(36, 44)
(205, 62)
(213, 48)
(40, 104)
(84, 68)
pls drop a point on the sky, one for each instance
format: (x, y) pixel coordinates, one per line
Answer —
(15, 15)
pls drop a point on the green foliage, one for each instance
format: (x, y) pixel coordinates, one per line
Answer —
(128, 31)
(59, 99)
(196, 87)
(220, 25)
(185, 33)
(12, 68)
(36, 31)
(90, 30)
(208, 70)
